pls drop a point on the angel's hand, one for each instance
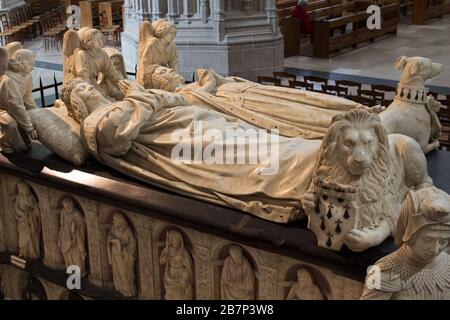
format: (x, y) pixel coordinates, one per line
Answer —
(124, 86)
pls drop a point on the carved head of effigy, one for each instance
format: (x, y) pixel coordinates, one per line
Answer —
(424, 224)
(163, 78)
(417, 70)
(22, 61)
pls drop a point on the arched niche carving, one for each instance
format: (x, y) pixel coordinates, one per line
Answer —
(32, 288)
(29, 203)
(78, 207)
(221, 253)
(319, 280)
(183, 256)
(106, 224)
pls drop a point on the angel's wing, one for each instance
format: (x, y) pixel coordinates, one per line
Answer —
(145, 33)
(71, 42)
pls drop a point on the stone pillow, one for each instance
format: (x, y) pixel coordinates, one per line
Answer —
(60, 133)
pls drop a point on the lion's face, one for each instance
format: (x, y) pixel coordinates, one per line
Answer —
(358, 149)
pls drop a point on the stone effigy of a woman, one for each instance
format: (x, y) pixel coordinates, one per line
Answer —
(178, 272)
(293, 112)
(28, 222)
(156, 46)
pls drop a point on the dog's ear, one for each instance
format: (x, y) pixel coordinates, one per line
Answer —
(401, 62)
(415, 67)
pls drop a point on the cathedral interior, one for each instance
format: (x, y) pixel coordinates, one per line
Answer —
(224, 150)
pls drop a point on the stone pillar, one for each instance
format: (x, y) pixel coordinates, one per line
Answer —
(214, 38)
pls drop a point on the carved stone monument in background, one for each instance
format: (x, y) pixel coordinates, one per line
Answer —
(210, 34)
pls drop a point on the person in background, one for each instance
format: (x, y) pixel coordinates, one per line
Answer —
(305, 19)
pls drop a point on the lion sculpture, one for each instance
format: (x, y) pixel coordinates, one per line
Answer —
(357, 151)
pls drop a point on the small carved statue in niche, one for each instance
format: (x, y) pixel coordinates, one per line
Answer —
(28, 222)
(238, 277)
(72, 236)
(420, 268)
(33, 290)
(156, 46)
(16, 99)
(178, 273)
(122, 251)
(85, 59)
(305, 288)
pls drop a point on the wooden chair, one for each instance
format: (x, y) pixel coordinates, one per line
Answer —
(316, 80)
(107, 31)
(351, 86)
(376, 97)
(300, 85)
(335, 90)
(268, 80)
(377, 88)
(444, 118)
(9, 34)
(51, 33)
(285, 77)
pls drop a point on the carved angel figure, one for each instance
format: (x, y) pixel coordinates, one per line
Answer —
(16, 98)
(72, 236)
(178, 273)
(156, 46)
(238, 277)
(122, 251)
(420, 268)
(28, 222)
(85, 59)
(305, 288)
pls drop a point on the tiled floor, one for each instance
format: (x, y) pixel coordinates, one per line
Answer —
(376, 60)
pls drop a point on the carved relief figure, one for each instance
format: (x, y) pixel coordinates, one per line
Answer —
(420, 268)
(122, 253)
(357, 152)
(156, 46)
(238, 277)
(72, 236)
(414, 112)
(16, 98)
(85, 59)
(178, 271)
(305, 288)
(28, 222)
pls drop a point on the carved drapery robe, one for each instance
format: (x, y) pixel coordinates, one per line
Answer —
(178, 274)
(122, 252)
(311, 293)
(28, 225)
(295, 113)
(15, 100)
(72, 239)
(237, 281)
(136, 137)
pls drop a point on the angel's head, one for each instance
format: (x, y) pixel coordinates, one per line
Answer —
(91, 39)
(12, 47)
(22, 61)
(164, 30)
(159, 77)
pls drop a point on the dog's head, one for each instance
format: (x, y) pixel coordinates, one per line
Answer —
(417, 70)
